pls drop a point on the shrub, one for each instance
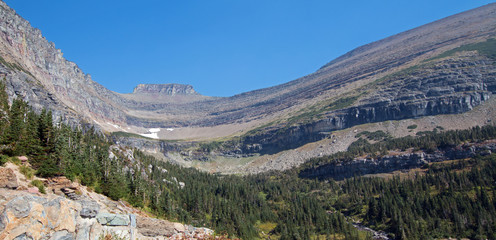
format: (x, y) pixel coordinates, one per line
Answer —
(3, 159)
(412, 126)
(26, 171)
(39, 184)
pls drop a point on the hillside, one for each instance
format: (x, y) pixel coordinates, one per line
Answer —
(445, 67)
(67, 210)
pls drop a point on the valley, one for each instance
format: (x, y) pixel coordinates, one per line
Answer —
(392, 140)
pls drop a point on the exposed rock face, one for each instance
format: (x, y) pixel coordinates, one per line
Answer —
(28, 216)
(8, 178)
(165, 89)
(150, 227)
(89, 209)
(450, 86)
(36, 71)
(113, 219)
(36, 217)
(390, 163)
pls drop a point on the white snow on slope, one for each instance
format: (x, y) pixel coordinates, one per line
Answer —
(152, 133)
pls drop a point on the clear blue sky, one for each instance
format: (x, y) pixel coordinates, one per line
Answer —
(221, 47)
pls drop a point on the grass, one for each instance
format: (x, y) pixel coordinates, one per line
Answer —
(27, 171)
(39, 184)
(266, 227)
(315, 110)
(15, 66)
(3, 159)
(375, 136)
(487, 48)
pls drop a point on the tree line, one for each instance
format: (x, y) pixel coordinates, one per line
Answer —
(243, 207)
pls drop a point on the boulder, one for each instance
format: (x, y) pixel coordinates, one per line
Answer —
(33, 217)
(23, 237)
(60, 182)
(151, 227)
(62, 235)
(89, 209)
(8, 178)
(109, 219)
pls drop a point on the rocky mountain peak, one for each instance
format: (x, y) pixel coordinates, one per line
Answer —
(170, 89)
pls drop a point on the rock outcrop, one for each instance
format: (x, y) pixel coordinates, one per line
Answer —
(390, 79)
(31, 215)
(395, 162)
(165, 89)
(8, 178)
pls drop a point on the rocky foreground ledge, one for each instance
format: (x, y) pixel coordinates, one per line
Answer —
(69, 211)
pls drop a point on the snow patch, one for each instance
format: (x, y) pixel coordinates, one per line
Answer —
(170, 129)
(154, 130)
(152, 133)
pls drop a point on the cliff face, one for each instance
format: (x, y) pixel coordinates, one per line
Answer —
(390, 163)
(165, 89)
(69, 211)
(36, 71)
(448, 86)
(391, 79)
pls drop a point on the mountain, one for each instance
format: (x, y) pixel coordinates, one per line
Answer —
(445, 67)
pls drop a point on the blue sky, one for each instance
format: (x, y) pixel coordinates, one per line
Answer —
(221, 47)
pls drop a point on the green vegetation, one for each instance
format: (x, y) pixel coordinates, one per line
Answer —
(26, 171)
(449, 200)
(210, 146)
(3, 159)
(128, 135)
(411, 127)
(374, 136)
(487, 48)
(14, 66)
(342, 103)
(232, 205)
(39, 184)
(455, 199)
(306, 115)
(429, 141)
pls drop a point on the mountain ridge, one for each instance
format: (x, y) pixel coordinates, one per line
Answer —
(356, 88)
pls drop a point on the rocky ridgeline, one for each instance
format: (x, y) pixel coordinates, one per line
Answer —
(69, 212)
(398, 161)
(449, 86)
(36, 71)
(165, 89)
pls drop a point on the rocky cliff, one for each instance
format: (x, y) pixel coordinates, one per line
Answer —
(397, 161)
(399, 77)
(166, 89)
(69, 211)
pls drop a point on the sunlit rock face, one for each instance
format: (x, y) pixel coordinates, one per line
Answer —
(390, 79)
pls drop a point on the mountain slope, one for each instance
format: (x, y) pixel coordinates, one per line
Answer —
(391, 79)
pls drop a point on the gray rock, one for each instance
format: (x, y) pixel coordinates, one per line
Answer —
(89, 209)
(83, 231)
(132, 217)
(62, 235)
(151, 227)
(23, 237)
(2, 222)
(20, 206)
(109, 219)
